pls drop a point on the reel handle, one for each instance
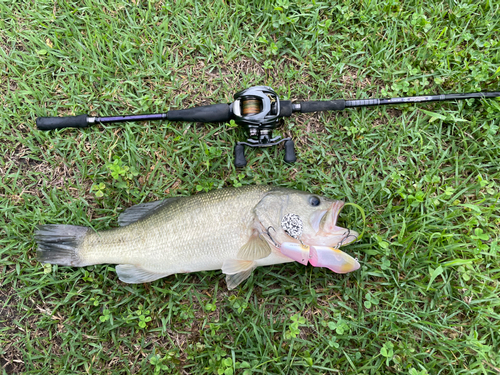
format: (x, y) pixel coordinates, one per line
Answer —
(239, 153)
(239, 156)
(290, 152)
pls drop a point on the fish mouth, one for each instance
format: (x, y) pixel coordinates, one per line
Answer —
(327, 231)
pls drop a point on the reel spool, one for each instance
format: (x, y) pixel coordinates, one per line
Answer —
(258, 109)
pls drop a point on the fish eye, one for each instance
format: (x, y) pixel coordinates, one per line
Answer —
(314, 201)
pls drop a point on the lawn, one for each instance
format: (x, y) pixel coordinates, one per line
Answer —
(426, 299)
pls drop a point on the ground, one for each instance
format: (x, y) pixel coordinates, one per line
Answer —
(426, 298)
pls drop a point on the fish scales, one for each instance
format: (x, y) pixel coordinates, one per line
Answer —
(179, 231)
(233, 229)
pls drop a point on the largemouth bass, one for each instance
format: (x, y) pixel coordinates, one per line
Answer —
(234, 230)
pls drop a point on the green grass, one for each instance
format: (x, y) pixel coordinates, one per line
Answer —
(427, 297)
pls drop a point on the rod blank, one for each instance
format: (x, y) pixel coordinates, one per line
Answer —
(421, 99)
(224, 113)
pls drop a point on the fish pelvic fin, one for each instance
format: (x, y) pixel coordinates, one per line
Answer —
(233, 266)
(237, 271)
(256, 248)
(130, 274)
(59, 244)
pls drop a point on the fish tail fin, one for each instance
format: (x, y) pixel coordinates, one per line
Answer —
(59, 244)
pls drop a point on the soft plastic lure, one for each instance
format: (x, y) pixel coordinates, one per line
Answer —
(320, 256)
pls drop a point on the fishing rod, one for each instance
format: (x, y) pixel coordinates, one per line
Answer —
(258, 109)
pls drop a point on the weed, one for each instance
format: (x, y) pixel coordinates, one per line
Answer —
(426, 176)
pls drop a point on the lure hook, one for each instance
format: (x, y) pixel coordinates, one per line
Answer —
(346, 236)
(272, 239)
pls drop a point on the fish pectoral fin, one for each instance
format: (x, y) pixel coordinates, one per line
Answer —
(131, 274)
(141, 211)
(237, 271)
(256, 248)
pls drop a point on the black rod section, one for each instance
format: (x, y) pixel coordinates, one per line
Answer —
(207, 113)
(420, 99)
(144, 117)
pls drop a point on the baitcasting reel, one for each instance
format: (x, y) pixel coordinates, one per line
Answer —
(258, 109)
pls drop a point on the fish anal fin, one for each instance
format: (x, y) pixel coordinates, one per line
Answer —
(256, 248)
(130, 274)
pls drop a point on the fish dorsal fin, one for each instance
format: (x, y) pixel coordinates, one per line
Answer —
(256, 248)
(131, 274)
(270, 209)
(236, 271)
(141, 211)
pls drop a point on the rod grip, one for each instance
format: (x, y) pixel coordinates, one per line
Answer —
(207, 113)
(49, 123)
(286, 108)
(317, 106)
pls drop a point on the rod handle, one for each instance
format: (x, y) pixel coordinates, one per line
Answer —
(50, 123)
(207, 113)
(317, 106)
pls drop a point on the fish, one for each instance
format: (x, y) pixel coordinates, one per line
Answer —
(231, 229)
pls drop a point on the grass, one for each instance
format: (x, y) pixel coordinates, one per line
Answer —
(427, 297)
